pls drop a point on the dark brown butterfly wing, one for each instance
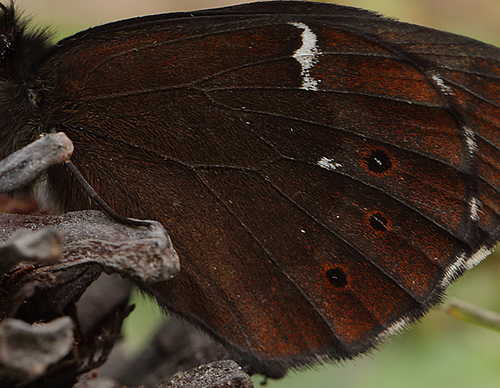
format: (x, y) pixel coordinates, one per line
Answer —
(324, 173)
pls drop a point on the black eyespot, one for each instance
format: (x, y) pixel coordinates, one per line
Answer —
(336, 277)
(378, 161)
(378, 222)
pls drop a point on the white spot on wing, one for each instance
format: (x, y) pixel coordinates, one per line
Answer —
(307, 55)
(474, 206)
(470, 140)
(441, 85)
(329, 164)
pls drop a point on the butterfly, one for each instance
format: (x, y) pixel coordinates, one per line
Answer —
(324, 173)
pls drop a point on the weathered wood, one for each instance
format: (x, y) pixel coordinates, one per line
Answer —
(144, 254)
(43, 247)
(219, 374)
(25, 165)
(27, 350)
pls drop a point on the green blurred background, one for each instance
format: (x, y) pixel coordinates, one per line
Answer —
(437, 352)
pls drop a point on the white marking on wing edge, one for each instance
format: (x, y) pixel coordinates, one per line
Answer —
(329, 164)
(477, 257)
(462, 264)
(453, 271)
(451, 274)
(441, 85)
(307, 55)
(396, 328)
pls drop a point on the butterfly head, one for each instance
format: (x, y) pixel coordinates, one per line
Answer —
(22, 49)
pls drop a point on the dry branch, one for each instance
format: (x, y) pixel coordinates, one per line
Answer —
(25, 165)
(41, 247)
(26, 351)
(143, 254)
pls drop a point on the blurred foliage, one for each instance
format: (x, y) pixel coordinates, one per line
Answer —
(142, 324)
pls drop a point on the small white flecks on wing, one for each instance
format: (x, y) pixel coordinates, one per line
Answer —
(470, 140)
(474, 208)
(329, 164)
(307, 56)
(438, 81)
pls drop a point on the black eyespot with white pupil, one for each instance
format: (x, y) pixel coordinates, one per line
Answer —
(378, 161)
(378, 222)
(336, 277)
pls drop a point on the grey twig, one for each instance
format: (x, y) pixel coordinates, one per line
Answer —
(469, 312)
(41, 247)
(23, 166)
(26, 351)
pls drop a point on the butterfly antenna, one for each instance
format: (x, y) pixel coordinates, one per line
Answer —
(103, 205)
